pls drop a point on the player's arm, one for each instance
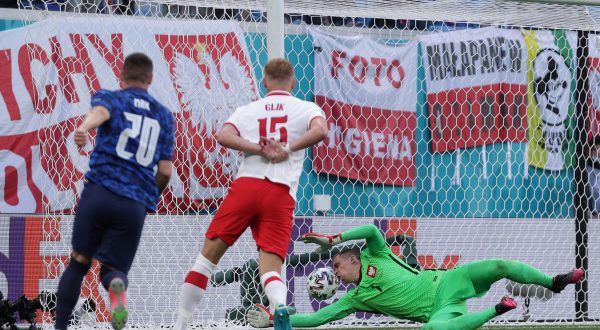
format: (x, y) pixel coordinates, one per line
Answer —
(371, 234)
(316, 132)
(260, 317)
(166, 153)
(163, 174)
(229, 137)
(96, 117)
(336, 311)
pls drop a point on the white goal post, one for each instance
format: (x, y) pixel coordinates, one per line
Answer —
(464, 126)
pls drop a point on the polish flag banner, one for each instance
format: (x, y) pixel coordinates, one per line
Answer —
(367, 90)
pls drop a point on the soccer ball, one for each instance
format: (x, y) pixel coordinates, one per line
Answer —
(322, 283)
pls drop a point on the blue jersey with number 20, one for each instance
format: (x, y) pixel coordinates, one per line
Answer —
(138, 134)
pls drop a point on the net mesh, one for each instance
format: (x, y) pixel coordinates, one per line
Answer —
(451, 123)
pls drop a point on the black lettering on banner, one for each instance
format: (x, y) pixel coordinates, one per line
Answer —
(485, 61)
(434, 62)
(502, 53)
(515, 56)
(446, 60)
(474, 54)
(494, 55)
(467, 60)
(453, 59)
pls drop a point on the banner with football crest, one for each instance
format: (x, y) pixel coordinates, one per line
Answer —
(550, 97)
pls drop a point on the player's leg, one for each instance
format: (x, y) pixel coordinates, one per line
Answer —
(275, 289)
(486, 272)
(117, 252)
(87, 233)
(272, 233)
(195, 283)
(233, 217)
(469, 321)
(69, 288)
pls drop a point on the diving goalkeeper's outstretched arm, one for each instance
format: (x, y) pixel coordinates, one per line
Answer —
(260, 317)
(370, 233)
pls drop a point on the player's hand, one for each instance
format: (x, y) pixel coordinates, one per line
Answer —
(80, 137)
(259, 316)
(273, 150)
(323, 240)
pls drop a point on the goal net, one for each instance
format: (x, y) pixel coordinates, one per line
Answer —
(464, 129)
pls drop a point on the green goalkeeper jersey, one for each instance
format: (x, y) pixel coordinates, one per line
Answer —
(387, 285)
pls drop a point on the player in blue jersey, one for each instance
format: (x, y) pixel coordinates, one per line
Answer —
(134, 136)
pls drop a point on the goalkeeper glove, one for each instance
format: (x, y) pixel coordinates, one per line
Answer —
(259, 316)
(324, 241)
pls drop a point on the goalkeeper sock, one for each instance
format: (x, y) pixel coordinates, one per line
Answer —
(192, 290)
(69, 288)
(274, 288)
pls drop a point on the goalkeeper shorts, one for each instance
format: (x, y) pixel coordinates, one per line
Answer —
(264, 206)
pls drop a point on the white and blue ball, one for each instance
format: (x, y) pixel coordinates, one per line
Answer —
(322, 283)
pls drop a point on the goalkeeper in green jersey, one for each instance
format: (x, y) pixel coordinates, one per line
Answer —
(385, 284)
(251, 292)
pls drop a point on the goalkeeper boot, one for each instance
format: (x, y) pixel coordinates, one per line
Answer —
(506, 304)
(118, 307)
(281, 319)
(559, 282)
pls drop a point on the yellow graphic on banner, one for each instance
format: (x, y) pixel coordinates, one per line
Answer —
(549, 99)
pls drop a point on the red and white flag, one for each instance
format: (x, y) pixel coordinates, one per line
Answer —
(368, 92)
(48, 74)
(476, 87)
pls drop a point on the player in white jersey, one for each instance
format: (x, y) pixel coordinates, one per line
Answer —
(272, 133)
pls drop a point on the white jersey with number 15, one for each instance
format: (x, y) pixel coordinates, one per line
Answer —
(279, 116)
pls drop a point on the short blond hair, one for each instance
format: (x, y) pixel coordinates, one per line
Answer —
(279, 70)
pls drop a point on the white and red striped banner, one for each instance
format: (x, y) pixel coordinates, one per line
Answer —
(368, 92)
(476, 87)
(49, 70)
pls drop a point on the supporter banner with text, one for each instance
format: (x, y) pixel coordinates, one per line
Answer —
(202, 72)
(550, 97)
(476, 87)
(368, 92)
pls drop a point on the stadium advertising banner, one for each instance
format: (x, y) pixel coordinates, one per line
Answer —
(34, 250)
(368, 92)
(550, 97)
(594, 84)
(476, 87)
(202, 72)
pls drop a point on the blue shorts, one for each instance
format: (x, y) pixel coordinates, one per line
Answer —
(108, 227)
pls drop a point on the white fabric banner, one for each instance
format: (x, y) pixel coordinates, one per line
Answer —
(49, 70)
(462, 59)
(476, 87)
(368, 91)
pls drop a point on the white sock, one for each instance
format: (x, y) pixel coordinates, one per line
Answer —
(192, 290)
(274, 288)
